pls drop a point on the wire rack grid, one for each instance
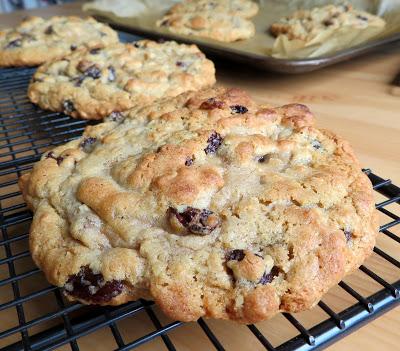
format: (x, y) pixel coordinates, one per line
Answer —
(35, 316)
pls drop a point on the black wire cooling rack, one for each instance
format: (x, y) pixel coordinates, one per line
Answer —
(35, 316)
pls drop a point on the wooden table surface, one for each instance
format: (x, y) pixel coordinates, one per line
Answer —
(353, 99)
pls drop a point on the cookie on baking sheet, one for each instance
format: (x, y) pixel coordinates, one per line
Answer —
(241, 8)
(92, 84)
(307, 24)
(208, 203)
(217, 26)
(224, 20)
(37, 40)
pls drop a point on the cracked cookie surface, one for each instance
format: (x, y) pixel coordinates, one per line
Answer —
(223, 20)
(208, 203)
(92, 84)
(305, 25)
(37, 40)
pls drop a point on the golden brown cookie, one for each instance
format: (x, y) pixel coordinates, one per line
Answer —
(92, 84)
(208, 203)
(241, 8)
(305, 25)
(37, 40)
(221, 20)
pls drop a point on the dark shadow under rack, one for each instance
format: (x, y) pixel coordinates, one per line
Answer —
(25, 133)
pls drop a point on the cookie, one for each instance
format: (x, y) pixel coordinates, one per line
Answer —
(305, 25)
(241, 8)
(208, 203)
(217, 26)
(224, 20)
(37, 40)
(92, 84)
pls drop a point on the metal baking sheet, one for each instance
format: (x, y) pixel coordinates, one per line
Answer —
(256, 51)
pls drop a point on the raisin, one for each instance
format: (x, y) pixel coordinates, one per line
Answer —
(316, 144)
(180, 64)
(267, 157)
(89, 69)
(93, 72)
(94, 51)
(213, 143)
(327, 23)
(111, 74)
(362, 18)
(59, 159)
(211, 104)
(161, 41)
(196, 221)
(73, 47)
(189, 161)
(68, 106)
(87, 144)
(136, 44)
(263, 159)
(269, 277)
(235, 255)
(239, 109)
(116, 116)
(49, 30)
(347, 234)
(92, 287)
(14, 44)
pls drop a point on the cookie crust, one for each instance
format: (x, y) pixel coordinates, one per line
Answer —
(36, 40)
(92, 84)
(268, 212)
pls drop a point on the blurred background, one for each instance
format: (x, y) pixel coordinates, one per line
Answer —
(12, 5)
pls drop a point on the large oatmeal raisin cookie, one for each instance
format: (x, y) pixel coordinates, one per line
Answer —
(208, 203)
(305, 25)
(92, 84)
(221, 20)
(37, 40)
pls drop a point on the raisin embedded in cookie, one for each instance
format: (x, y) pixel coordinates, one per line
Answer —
(208, 203)
(95, 83)
(225, 20)
(305, 25)
(37, 40)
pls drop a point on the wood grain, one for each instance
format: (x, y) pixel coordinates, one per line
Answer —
(354, 100)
